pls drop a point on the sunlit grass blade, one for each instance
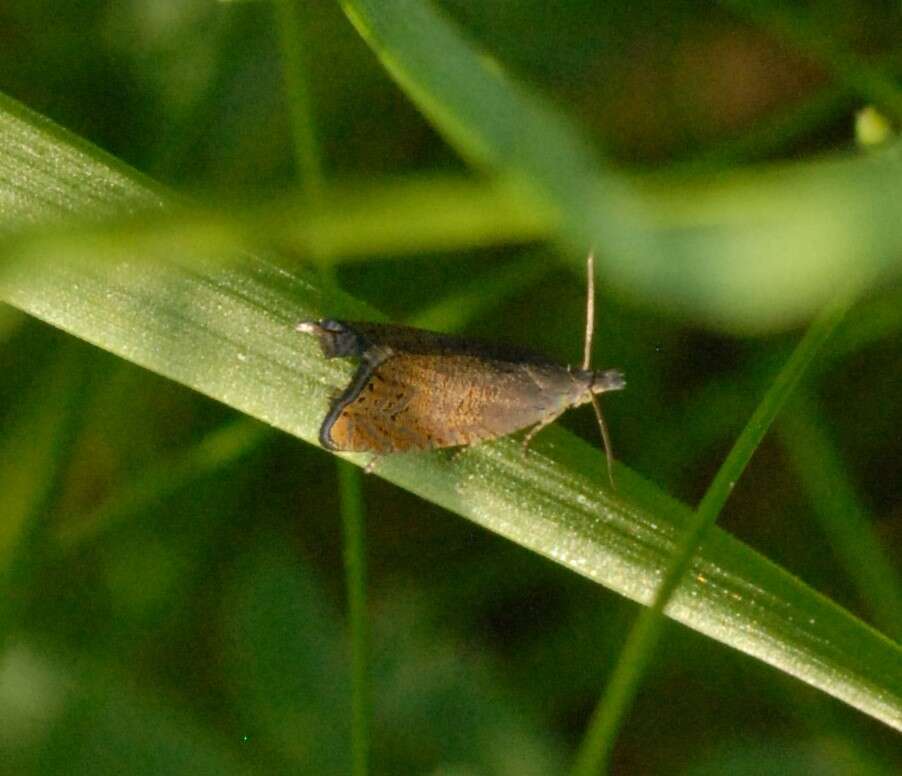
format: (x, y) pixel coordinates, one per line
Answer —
(753, 251)
(350, 221)
(221, 321)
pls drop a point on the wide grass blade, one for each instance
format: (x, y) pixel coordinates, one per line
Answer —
(220, 321)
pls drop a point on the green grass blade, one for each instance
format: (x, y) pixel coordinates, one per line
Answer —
(643, 638)
(295, 72)
(748, 253)
(350, 222)
(220, 321)
(351, 505)
(353, 520)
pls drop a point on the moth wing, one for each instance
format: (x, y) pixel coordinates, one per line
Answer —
(367, 417)
(419, 402)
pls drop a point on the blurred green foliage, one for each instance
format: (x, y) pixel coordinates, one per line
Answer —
(173, 595)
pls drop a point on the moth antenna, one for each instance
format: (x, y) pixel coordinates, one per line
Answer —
(587, 362)
(590, 309)
(606, 438)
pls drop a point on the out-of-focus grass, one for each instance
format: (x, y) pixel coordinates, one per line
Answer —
(198, 629)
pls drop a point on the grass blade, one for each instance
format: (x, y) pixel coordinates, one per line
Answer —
(352, 518)
(297, 89)
(220, 321)
(645, 634)
(751, 252)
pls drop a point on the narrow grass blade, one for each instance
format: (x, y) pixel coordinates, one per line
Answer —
(352, 518)
(295, 72)
(645, 634)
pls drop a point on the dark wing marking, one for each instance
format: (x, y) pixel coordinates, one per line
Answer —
(419, 342)
(367, 416)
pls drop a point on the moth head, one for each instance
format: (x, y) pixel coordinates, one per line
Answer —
(335, 338)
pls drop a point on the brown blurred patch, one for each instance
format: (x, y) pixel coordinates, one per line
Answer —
(696, 87)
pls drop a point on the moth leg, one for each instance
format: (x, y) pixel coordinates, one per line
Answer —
(370, 465)
(537, 428)
(455, 452)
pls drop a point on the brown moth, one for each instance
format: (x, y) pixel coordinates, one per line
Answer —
(419, 390)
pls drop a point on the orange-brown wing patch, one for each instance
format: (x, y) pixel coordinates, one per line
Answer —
(368, 422)
(418, 402)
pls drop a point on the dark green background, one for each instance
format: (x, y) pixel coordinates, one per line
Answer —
(204, 631)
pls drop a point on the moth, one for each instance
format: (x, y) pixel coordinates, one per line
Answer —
(420, 390)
